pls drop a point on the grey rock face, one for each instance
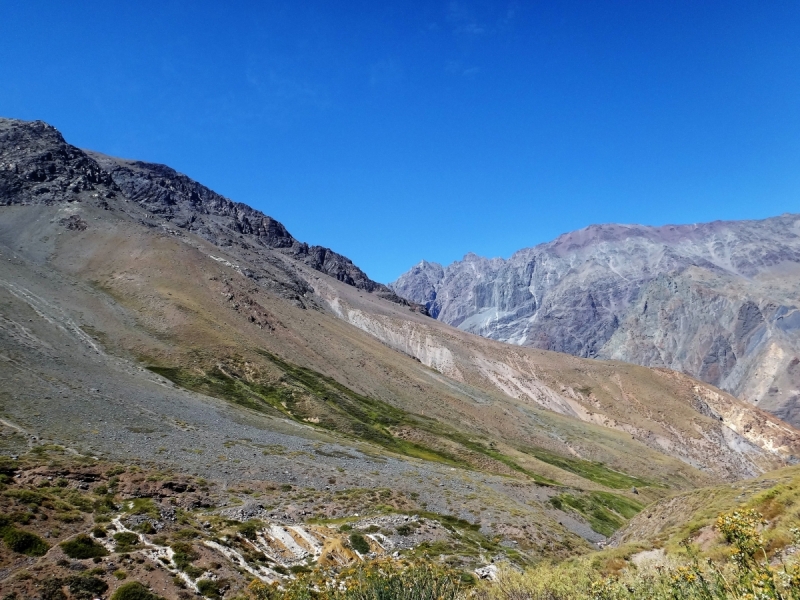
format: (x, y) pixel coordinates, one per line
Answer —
(37, 166)
(718, 301)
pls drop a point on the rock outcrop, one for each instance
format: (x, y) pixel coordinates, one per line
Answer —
(718, 301)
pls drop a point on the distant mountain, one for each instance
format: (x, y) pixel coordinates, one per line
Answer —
(718, 301)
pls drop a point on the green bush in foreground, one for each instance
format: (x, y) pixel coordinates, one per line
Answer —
(24, 542)
(134, 591)
(359, 543)
(86, 587)
(81, 547)
(378, 580)
(745, 573)
(209, 588)
(184, 554)
(126, 541)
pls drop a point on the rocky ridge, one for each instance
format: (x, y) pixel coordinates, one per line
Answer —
(39, 167)
(717, 301)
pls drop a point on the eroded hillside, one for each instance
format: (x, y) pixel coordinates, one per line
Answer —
(142, 324)
(717, 301)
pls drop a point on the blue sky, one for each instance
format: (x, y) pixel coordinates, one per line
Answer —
(397, 131)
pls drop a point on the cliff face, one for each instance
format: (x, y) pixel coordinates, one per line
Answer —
(718, 301)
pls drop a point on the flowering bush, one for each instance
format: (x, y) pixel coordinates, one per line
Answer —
(377, 580)
(747, 575)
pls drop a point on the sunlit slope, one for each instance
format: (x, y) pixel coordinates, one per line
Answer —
(471, 401)
(667, 411)
(691, 515)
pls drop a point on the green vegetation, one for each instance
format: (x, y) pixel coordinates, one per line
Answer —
(303, 394)
(23, 542)
(143, 506)
(249, 529)
(82, 546)
(29, 497)
(380, 580)
(591, 470)
(604, 511)
(134, 591)
(86, 586)
(81, 587)
(743, 572)
(496, 455)
(359, 543)
(184, 555)
(126, 541)
(209, 588)
(449, 521)
(308, 396)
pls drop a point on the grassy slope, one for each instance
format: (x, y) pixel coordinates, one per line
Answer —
(186, 312)
(191, 326)
(690, 515)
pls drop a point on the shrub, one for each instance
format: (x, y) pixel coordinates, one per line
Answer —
(358, 543)
(86, 587)
(379, 580)
(24, 542)
(184, 554)
(186, 534)
(146, 527)
(82, 546)
(50, 589)
(297, 569)
(209, 588)
(104, 504)
(134, 591)
(747, 574)
(249, 529)
(126, 541)
(26, 496)
(192, 571)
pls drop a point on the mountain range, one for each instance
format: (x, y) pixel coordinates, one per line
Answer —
(717, 301)
(147, 320)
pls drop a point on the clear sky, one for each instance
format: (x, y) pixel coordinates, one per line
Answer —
(397, 131)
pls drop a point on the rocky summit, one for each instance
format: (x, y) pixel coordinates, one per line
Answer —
(39, 167)
(718, 301)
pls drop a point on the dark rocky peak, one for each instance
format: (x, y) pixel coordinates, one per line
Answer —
(37, 166)
(188, 204)
(191, 205)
